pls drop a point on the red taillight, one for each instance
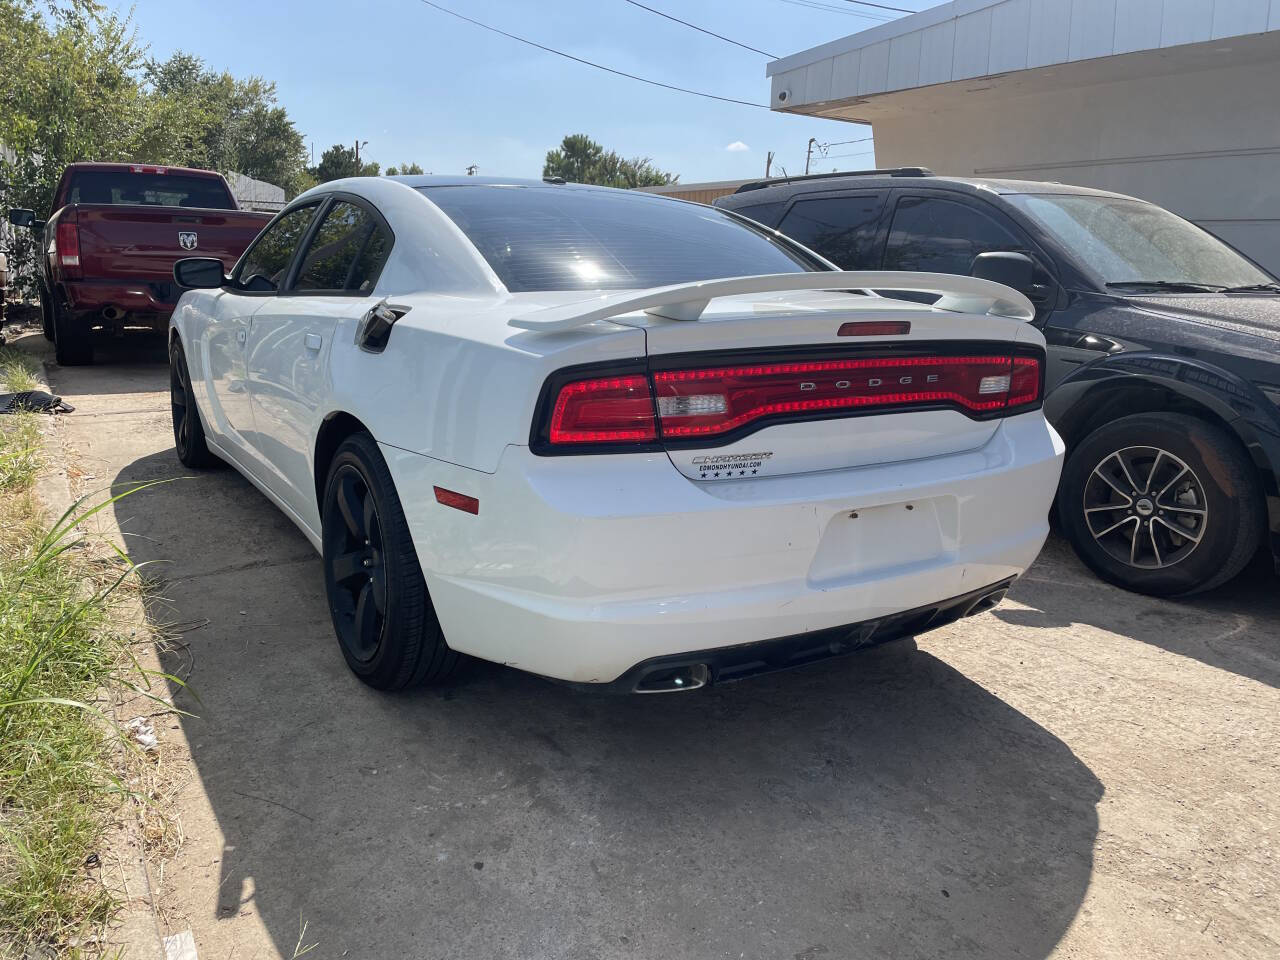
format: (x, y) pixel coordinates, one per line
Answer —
(709, 402)
(1024, 387)
(703, 403)
(67, 246)
(604, 410)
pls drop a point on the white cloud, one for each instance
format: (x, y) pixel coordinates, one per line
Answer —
(737, 147)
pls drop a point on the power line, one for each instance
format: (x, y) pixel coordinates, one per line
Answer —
(841, 156)
(841, 143)
(709, 33)
(881, 6)
(589, 63)
(813, 4)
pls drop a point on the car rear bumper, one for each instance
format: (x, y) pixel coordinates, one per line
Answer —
(582, 568)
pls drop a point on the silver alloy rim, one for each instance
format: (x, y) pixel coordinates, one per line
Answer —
(1145, 507)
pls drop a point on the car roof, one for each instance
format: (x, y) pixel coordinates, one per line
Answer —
(433, 180)
(782, 189)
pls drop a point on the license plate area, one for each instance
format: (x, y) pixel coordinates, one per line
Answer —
(867, 541)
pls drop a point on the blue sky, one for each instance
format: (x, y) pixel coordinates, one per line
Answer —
(422, 86)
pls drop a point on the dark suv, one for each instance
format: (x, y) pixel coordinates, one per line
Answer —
(1164, 350)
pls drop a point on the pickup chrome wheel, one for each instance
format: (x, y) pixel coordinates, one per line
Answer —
(1162, 503)
(188, 430)
(382, 613)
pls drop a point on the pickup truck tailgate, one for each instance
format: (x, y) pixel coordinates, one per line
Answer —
(142, 245)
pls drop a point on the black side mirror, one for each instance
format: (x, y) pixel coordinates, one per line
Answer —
(1015, 270)
(22, 217)
(199, 273)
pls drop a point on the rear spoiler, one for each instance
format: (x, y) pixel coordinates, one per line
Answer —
(686, 301)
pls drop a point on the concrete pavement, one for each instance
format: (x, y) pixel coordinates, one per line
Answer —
(1080, 773)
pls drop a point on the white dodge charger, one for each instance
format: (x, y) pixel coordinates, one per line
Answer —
(609, 437)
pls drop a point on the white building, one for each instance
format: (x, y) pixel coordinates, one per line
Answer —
(1174, 101)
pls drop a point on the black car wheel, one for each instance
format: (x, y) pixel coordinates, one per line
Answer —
(188, 429)
(72, 346)
(382, 613)
(46, 314)
(1162, 504)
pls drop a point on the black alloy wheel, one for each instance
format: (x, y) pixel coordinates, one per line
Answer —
(188, 430)
(1162, 503)
(354, 565)
(382, 612)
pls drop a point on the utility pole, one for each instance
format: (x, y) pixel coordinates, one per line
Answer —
(768, 164)
(358, 146)
(808, 154)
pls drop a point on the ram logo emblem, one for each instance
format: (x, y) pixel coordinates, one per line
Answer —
(187, 240)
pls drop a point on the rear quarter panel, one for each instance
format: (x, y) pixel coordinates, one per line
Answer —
(455, 382)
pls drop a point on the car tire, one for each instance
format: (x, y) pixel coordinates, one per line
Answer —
(72, 347)
(188, 429)
(46, 314)
(382, 613)
(1162, 503)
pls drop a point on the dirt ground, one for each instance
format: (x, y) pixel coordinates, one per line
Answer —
(1079, 773)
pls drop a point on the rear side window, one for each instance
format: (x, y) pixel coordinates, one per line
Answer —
(570, 238)
(766, 213)
(148, 189)
(346, 252)
(263, 267)
(942, 236)
(842, 229)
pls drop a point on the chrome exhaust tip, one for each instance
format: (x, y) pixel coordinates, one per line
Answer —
(675, 679)
(112, 313)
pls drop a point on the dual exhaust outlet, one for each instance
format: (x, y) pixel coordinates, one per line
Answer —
(695, 676)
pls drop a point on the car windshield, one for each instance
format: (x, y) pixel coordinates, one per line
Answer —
(1130, 243)
(148, 189)
(566, 238)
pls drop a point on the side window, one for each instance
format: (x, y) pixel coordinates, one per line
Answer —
(942, 236)
(263, 268)
(842, 229)
(346, 253)
(766, 213)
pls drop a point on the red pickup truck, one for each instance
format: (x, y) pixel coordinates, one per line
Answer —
(110, 245)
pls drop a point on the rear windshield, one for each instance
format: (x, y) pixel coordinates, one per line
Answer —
(556, 238)
(148, 189)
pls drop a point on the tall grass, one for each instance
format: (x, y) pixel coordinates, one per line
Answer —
(60, 657)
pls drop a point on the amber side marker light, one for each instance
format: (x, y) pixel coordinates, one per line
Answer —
(459, 501)
(874, 328)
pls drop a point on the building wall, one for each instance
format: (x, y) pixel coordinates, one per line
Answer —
(697, 192)
(1205, 144)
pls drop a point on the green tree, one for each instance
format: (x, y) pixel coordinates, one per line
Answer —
(242, 128)
(404, 170)
(75, 85)
(68, 92)
(579, 159)
(340, 161)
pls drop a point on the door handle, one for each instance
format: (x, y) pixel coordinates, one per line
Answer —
(313, 342)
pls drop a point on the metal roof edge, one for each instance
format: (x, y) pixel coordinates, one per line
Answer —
(883, 31)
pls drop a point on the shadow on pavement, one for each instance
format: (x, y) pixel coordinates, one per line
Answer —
(1234, 628)
(883, 805)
